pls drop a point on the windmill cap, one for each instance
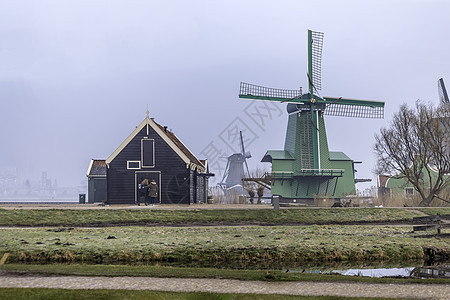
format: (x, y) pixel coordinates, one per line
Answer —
(292, 108)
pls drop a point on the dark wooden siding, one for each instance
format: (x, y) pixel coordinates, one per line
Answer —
(147, 146)
(175, 176)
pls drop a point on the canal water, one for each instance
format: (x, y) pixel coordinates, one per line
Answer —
(382, 272)
(413, 270)
(441, 271)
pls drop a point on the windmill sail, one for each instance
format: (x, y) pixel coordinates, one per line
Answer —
(354, 108)
(252, 91)
(443, 96)
(315, 59)
(245, 154)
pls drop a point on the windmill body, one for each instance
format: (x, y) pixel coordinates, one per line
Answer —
(234, 172)
(306, 169)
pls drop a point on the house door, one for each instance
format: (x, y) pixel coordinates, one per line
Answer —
(141, 175)
(99, 189)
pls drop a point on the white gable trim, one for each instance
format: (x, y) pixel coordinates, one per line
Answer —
(89, 168)
(175, 148)
(147, 121)
(387, 181)
(126, 142)
(192, 165)
(169, 141)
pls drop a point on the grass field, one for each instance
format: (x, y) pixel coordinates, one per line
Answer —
(114, 217)
(260, 244)
(212, 246)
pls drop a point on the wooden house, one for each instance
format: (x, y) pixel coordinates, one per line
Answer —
(153, 151)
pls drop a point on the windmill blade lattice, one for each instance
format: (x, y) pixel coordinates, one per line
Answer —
(253, 91)
(355, 111)
(316, 59)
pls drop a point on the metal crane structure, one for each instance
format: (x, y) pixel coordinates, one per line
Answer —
(443, 96)
(445, 109)
(306, 169)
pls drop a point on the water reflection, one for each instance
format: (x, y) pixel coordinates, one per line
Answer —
(410, 270)
(394, 272)
(442, 271)
(431, 272)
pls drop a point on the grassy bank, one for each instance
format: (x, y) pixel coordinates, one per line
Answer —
(435, 210)
(112, 217)
(219, 246)
(50, 294)
(189, 272)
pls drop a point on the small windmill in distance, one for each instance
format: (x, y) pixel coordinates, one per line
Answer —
(234, 171)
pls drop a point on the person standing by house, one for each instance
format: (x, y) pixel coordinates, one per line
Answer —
(260, 192)
(143, 190)
(251, 193)
(152, 192)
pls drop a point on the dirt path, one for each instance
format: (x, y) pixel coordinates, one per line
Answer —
(128, 206)
(77, 206)
(418, 291)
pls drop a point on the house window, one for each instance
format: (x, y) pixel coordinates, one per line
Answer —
(409, 191)
(148, 153)
(133, 165)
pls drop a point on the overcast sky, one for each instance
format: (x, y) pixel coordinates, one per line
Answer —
(76, 76)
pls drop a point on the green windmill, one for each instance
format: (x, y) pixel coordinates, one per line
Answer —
(306, 169)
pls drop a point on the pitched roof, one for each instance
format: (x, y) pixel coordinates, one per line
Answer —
(382, 180)
(169, 137)
(97, 168)
(277, 154)
(180, 145)
(338, 156)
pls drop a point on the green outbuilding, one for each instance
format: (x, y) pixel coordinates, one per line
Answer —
(397, 190)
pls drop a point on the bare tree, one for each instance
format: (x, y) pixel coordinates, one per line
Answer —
(416, 146)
